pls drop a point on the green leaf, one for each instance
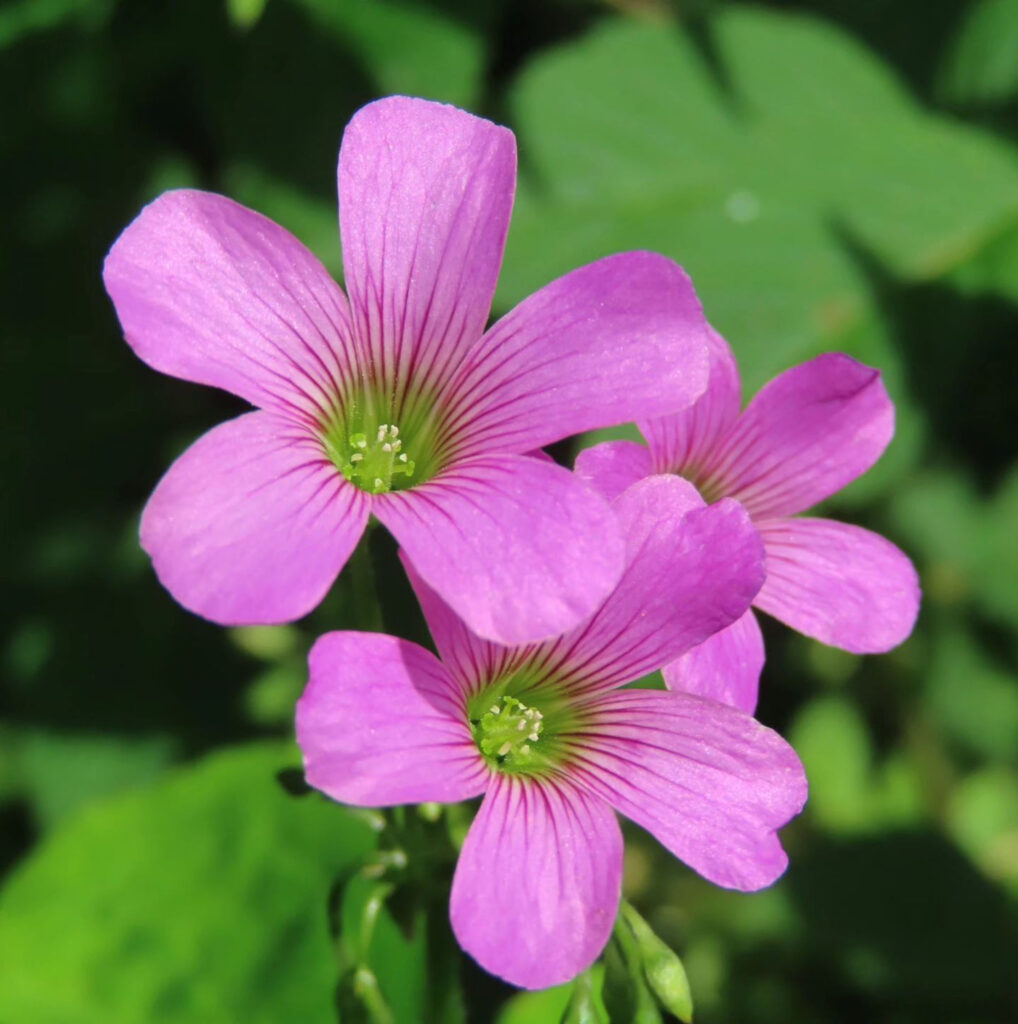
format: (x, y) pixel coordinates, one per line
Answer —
(982, 65)
(201, 898)
(410, 48)
(23, 17)
(245, 13)
(627, 996)
(983, 818)
(630, 141)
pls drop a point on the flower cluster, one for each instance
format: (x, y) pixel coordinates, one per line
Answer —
(546, 591)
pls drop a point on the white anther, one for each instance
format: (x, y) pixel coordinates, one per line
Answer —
(520, 726)
(525, 749)
(362, 443)
(402, 458)
(357, 457)
(533, 737)
(495, 709)
(393, 431)
(379, 483)
(504, 749)
(396, 445)
(386, 447)
(381, 432)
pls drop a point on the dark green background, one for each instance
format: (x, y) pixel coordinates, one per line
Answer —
(835, 175)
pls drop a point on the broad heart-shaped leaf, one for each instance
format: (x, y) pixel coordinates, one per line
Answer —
(201, 898)
(629, 140)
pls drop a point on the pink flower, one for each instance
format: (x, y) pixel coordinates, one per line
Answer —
(807, 434)
(396, 403)
(546, 733)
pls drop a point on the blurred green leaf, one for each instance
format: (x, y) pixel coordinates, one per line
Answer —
(410, 48)
(983, 818)
(982, 65)
(831, 738)
(22, 17)
(202, 898)
(544, 1007)
(245, 13)
(631, 141)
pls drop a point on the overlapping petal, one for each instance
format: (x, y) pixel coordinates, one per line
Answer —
(690, 572)
(425, 196)
(726, 667)
(619, 338)
(382, 723)
(838, 583)
(708, 781)
(537, 885)
(215, 293)
(685, 442)
(613, 466)
(807, 434)
(519, 548)
(252, 523)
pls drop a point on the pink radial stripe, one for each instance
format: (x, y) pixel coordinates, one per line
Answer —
(212, 292)
(604, 344)
(537, 885)
(686, 441)
(708, 781)
(807, 434)
(425, 196)
(725, 667)
(841, 584)
(381, 723)
(519, 548)
(692, 571)
(252, 524)
(471, 661)
(613, 466)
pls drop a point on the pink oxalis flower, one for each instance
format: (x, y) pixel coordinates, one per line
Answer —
(808, 433)
(395, 403)
(546, 733)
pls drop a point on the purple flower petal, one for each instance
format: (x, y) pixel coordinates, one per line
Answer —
(838, 583)
(726, 667)
(519, 548)
(471, 660)
(613, 466)
(709, 782)
(212, 292)
(614, 340)
(252, 523)
(381, 723)
(686, 441)
(425, 195)
(692, 571)
(537, 885)
(807, 434)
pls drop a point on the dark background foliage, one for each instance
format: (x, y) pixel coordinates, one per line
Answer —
(834, 174)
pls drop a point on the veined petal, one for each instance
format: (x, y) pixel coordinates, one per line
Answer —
(381, 723)
(425, 196)
(613, 466)
(537, 885)
(725, 667)
(691, 571)
(838, 583)
(252, 524)
(620, 338)
(709, 782)
(686, 442)
(807, 434)
(215, 293)
(470, 660)
(519, 548)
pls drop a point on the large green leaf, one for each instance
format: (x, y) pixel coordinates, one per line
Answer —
(631, 141)
(202, 898)
(982, 65)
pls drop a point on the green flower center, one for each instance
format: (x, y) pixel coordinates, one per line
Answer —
(379, 450)
(373, 463)
(509, 732)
